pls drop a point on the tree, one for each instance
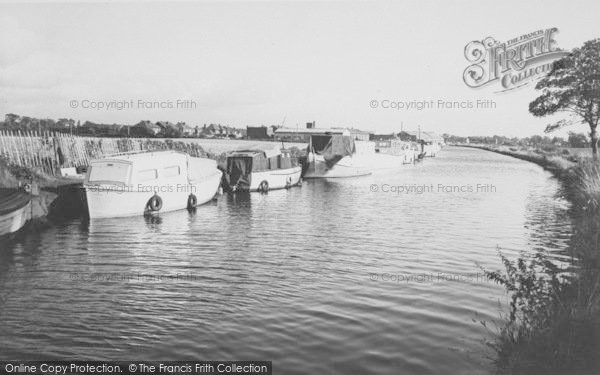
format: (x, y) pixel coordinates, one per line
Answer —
(577, 140)
(573, 86)
(536, 140)
(170, 131)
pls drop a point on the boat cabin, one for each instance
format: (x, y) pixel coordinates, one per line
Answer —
(242, 164)
(146, 169)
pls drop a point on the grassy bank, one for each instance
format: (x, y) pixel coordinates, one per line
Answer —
(553, 326)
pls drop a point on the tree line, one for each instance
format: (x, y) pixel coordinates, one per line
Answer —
(143, 129)
(574, 140)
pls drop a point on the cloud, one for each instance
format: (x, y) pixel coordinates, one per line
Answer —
(16, 42)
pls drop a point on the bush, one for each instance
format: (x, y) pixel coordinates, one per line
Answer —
(549, 148)
(549, 329)
(553, 325)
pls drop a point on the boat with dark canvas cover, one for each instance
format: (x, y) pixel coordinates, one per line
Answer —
(260, 170)
(338, 155)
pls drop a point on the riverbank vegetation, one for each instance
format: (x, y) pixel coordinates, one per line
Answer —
(553, 325)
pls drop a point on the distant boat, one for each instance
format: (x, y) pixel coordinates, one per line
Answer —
(149, 182)
(407, 152)
(261, 170)
(338, 155)
(15, 210)
(430, 149)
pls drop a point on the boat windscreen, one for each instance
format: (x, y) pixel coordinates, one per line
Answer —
(103, 172)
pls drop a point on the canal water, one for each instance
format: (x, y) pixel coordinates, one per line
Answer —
(365, 275)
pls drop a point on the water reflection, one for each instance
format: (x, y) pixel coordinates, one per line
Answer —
(153, 220)
(293, 276)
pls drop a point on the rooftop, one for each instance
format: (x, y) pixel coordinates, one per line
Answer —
(312, 130)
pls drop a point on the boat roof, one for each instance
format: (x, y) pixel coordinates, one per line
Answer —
(254, 152)
(139, 155)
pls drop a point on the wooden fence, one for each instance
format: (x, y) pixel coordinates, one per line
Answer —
(49, 152)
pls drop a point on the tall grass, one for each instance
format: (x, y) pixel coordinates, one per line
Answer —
(554, 322)
(589, 191)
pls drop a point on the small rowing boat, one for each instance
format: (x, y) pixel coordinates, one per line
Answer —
(15, 210)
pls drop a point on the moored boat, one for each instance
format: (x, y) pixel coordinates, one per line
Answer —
(430, 149)
(406, 151)
(261, 170)
(338, 155)
(148, 182)
(15, 210)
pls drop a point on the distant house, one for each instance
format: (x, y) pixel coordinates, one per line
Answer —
(414, 136)
(259, 132)
(408, 136)
(164, 125)
(169, 130)
(236, 133)
(382, 137)
(211, 131)
(189, 131)
(359, 135)
(231, 132)
(185, 129)
(303, 134)
(145, 129)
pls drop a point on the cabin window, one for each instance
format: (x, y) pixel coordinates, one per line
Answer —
(147, 175)
(273, 162)
(173, 171)
(109, 172)
(260, 164)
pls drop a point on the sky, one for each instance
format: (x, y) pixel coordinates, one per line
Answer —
(273, 63)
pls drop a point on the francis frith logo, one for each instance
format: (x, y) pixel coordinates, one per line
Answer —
(514, 63)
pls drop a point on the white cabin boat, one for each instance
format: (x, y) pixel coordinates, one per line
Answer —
(261, 170)
(337, 155)
(430, 149)
(406, 151)
(149, 182)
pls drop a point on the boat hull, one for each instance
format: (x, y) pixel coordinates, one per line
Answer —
(15, 220)
(105, 202)
(347, 167)
(276, 179)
